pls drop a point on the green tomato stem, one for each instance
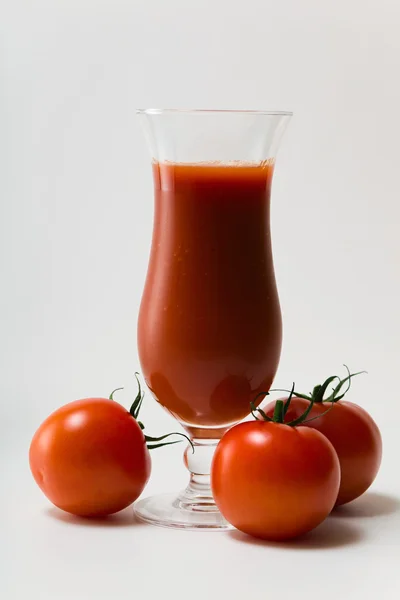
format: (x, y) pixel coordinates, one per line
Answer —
(134, 412)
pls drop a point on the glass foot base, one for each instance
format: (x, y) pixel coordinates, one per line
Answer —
(182, 512)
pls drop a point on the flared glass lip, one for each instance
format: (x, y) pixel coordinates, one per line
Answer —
(200, 111)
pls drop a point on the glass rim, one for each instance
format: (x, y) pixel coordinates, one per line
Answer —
(207, 111)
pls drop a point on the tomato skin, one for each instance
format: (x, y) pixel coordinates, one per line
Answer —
(273, 481)
(90, 458)
(355, 437)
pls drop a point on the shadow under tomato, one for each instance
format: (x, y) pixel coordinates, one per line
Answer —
(371, 504)
(125, 518)
(330, 534)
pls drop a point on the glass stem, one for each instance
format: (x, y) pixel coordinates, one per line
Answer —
(198, 495)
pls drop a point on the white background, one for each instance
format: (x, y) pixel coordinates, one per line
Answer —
(76, 218)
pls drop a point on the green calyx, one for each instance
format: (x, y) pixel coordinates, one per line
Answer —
(318, 393)
(280, 410)
(151, 442)
(316, 396)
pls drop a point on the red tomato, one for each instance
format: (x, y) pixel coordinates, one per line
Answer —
(90, 458)
(274, 481)
(354, 435)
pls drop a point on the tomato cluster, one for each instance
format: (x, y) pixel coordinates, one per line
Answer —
(275, 477)
(281, 475)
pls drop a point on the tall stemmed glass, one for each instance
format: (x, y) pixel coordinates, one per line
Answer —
(209, 330)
